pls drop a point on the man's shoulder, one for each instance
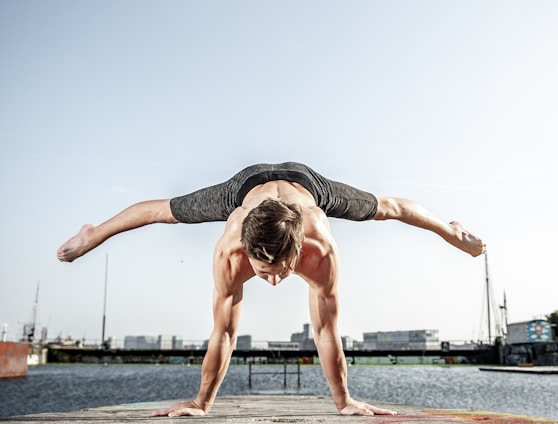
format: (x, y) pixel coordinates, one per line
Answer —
(231, 268)
(319, 250)
(234, 221)
(316, 223)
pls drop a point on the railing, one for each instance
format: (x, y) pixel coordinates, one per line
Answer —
(284, 372)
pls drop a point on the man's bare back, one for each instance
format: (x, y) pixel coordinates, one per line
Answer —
(317, 236)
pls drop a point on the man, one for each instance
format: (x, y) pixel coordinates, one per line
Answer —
(276, 224)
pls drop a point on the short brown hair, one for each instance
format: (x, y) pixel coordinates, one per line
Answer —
(272, 232)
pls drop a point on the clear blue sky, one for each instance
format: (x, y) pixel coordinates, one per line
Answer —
(107, 103)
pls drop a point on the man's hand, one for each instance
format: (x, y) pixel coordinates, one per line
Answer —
(186, 407)
(355, 407)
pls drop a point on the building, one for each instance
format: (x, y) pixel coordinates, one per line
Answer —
(534, 331)
(402, 340)
(347, 342)
(115, 343)
(140, 343)
(530, 342)
(161, 342)
(165, 342)
(283, 345)
(305, 339)
(244, 342)
(177, 343)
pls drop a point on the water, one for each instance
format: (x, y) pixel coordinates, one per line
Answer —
(60, 388)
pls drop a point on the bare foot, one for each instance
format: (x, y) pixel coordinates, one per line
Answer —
(466, 241)
(78, 245)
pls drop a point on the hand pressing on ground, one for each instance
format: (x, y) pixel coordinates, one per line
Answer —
(185, 407)
(354, 407)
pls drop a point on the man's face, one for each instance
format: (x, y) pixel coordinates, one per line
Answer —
(272, 273)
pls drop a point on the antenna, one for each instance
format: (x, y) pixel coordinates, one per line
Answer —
(4, 333)
(504, 311)
(105, 301)
(31, 334)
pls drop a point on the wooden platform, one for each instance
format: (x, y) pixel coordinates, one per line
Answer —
(273, 409)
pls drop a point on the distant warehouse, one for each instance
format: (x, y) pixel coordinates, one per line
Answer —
(402, 340)
(160, 342)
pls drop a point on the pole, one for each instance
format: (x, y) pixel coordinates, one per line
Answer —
(105, 301)
(249, 373)
(35, 307)
(488, 297)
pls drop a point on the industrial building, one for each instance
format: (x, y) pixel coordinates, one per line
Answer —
(305, 339)
(401, 340)
(160, 342)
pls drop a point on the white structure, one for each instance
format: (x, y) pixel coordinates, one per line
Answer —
(161, 342)
(402, 340)
(283, 345)
(177, 343)
(165, 342)
(140, 342)
(348, 342)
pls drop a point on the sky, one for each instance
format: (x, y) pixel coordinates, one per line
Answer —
(104, 104)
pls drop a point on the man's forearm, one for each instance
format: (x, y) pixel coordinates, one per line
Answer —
(334, 366)
(214, 368)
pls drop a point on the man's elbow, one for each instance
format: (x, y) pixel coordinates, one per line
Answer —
(324, 338)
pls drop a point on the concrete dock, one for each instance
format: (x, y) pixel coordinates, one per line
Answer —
(274, 409)
(523, 369)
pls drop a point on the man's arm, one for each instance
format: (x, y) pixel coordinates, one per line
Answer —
(226, 309)
(324, 309)
(323, 314)
(229, 272)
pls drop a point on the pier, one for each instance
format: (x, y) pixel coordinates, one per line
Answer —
(276, 409)
(71, 354)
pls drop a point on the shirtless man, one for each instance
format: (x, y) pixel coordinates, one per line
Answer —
(276, 225)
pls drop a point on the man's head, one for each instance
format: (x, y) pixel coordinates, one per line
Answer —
(273, 233)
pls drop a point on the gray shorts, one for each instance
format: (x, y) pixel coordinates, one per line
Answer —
(217, 202)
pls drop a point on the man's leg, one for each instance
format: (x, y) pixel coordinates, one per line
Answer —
(138, 215)
(412, 213)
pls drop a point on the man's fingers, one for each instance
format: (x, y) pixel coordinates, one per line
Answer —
(161, 413)
(187, 412)
(381, 411)
(362, 408)
(179, 410)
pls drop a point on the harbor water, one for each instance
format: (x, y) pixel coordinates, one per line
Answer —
(62, 388)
